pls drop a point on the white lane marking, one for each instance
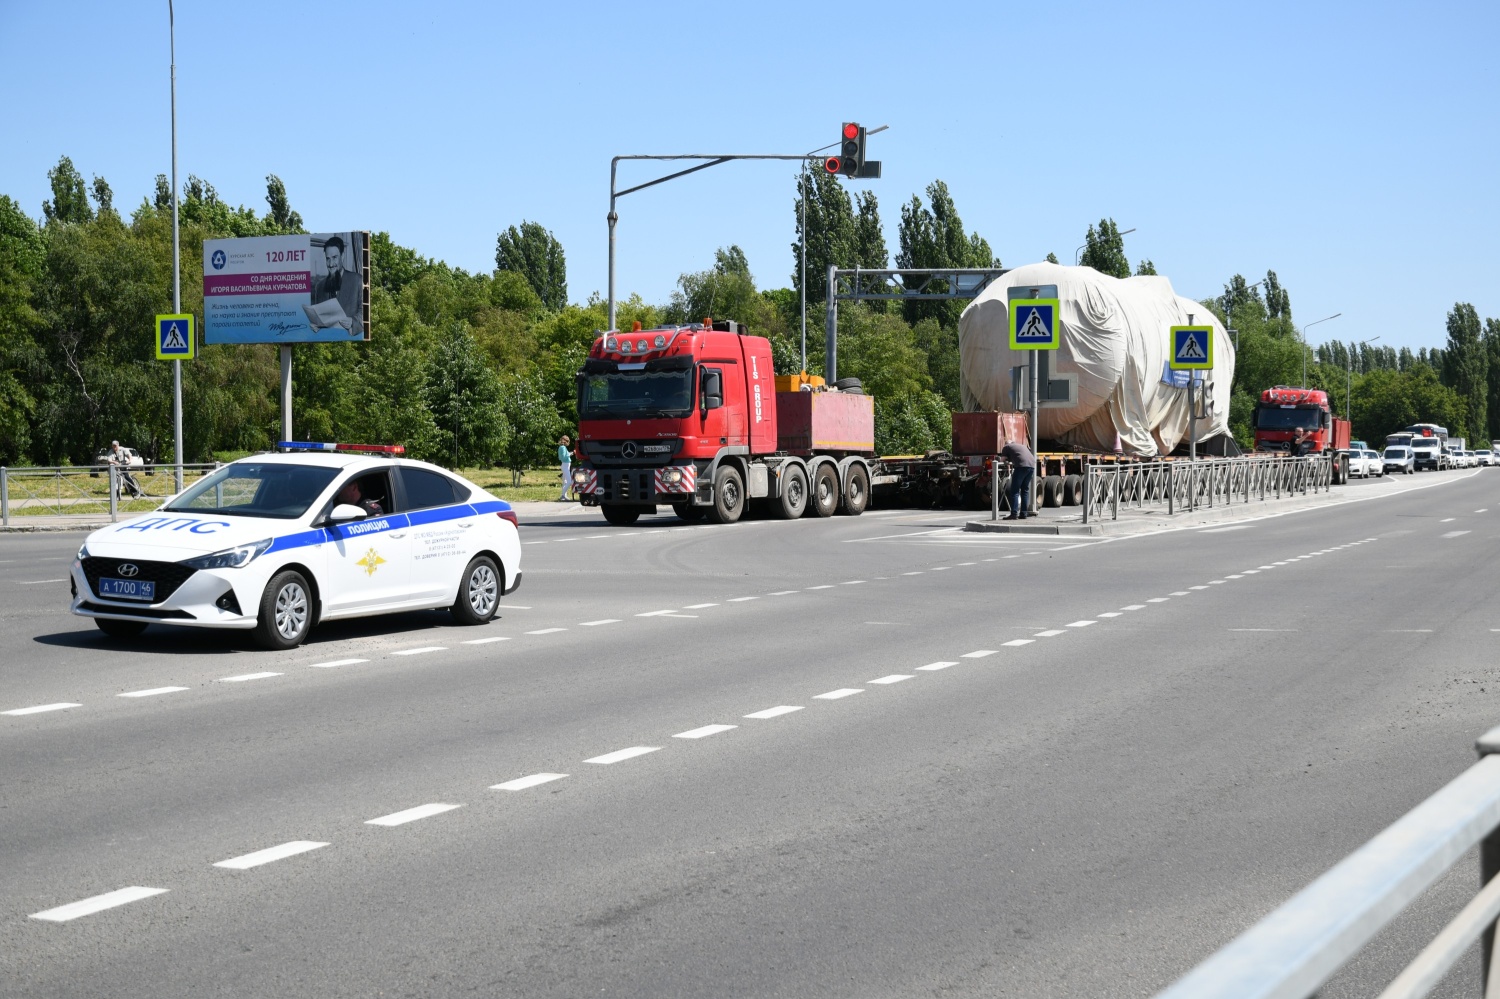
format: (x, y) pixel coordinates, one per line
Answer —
(1216, 582)
(977, 654)
(152, 692)
(89, 906)
(561, 540)
(597, 537)
(706, 730)
(1218, 530)
(941, 568)
(699, 606)
(783, 593)
(1018, 642)
(1234, 576)
(247, 676)
(776, 712)
(1133, 607)
(270, 855)
(936, 666)
(437, 648)
(1455, 534)
(622, 754)
(740, 600)
(412, 814)
(1262, 629)
(342, 662)
(38, 709)
(1250, 572)
(659, 613)
(1081, 624)
(533, 542)
(546, 631)
(854, 582)
(1411, 631)
(1197, 587)
(1485, 510)
(1179, 593)
(834, 695)
(1050, 633)
(919, 571)
(1266, 567)
(1110, 614)
(522, 783)
(33, 582)
(484, 641)
(825, 586)
(1157, 600)
(894, 678)
(602, 620)
(1447, 520)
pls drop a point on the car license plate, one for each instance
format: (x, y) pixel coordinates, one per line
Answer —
(127, 589)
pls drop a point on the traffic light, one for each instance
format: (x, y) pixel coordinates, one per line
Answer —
(853, 151)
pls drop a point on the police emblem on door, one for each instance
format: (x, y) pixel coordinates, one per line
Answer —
(371, 562)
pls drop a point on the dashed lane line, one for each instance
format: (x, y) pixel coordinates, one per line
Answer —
(602, 620)
(740, 600)
(522, 783)
(1157, 600)
(39, 708)
(1133, 607)
(340, 662)
(783, 593)
(937, 666)
(547, 631)
(89, 906)
(423, 650)
(834, 695)
(1016, 643)
(246, 677)
(776, 712)
(620, 755)
(270, 855)
(1050, 633)
(1081, 624)
(699, 606)
(412, 814)
(152, 692)
(1110, 614)
(704, 732)
(893, 678)
(485, 641)
(977, 654)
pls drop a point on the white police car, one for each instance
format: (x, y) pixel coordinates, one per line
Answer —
(279, 542)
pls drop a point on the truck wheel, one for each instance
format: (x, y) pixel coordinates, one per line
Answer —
(856, 490)
(285, 612)
(729, 495)
(793, 502)
(116, 628)
(478, 592)
(686, 511)
(1072, 490)
(620, 515)
(1051, 490)
(825, 490)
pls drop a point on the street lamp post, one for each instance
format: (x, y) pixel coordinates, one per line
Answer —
(1304, 342)
(1349, 381)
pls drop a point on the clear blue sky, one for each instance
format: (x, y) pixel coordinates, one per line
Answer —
(1350, 147)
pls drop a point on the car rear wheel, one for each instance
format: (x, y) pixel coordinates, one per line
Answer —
(120, 629)
(285, 612)
(479, 592)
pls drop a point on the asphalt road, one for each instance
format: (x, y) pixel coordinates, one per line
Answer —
(1052, 767)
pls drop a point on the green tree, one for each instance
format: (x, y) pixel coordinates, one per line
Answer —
(463, 394)
(1278, 301)
(1145, 267)
(535, 253)
(70, 200)
(1466, 365)
(832, 235)
(1492, 351)
(934, 238)
(1052, 258)
(281, 215)
(725, 291)
(1104, 250)
(534, 424)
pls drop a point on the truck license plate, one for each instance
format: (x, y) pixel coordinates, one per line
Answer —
(127, 589)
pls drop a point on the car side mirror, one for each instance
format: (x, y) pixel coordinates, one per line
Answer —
(345, 512)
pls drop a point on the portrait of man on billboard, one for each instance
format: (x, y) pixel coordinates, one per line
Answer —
(337, 287)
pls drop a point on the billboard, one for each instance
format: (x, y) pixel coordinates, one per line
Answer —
(311, 288)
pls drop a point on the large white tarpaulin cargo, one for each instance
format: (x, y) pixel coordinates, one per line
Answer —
(1116, 342)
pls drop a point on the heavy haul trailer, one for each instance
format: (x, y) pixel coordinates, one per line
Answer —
(691, 417)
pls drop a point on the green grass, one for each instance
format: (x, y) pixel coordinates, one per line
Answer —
(537, 484)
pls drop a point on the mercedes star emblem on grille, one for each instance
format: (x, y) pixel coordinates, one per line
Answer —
(128, 569)
(628, 449)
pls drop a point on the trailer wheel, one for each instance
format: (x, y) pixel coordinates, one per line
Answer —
(856, 490)
(1072, 490)
(825, 490)
(686, 511)
(1051, 491)
(729, 495)
(793, 501)
(620, 515)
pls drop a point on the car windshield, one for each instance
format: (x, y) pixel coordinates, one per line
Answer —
(1289, 419)
(635, 393)
(257, 489)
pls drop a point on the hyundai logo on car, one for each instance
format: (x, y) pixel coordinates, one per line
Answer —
(128, 569)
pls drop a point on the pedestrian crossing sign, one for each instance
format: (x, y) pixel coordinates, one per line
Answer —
(1033, 324)
(175, 339)
(1192, 347)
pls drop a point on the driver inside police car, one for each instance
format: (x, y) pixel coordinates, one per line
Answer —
(353, 494)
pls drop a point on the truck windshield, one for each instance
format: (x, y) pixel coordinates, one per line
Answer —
(635, 394)
(1289, 419)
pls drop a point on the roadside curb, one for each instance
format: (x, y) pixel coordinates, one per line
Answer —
(995, 527)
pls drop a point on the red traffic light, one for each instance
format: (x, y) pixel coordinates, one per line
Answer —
(851, 130)
(833, 164)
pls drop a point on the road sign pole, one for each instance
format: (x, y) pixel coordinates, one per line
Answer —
(1192, 412)
(176, 261)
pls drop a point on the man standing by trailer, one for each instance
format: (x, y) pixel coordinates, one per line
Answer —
(1022, 471)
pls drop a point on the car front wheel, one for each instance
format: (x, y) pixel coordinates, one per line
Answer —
(479, 592)
(285, 612)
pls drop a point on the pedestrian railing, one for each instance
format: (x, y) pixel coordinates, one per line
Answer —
(1291, 952)
(1183, 486)
(91, 490)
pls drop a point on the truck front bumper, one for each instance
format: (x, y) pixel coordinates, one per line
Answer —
(643, 486)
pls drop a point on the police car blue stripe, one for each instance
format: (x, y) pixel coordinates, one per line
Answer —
(382, 524)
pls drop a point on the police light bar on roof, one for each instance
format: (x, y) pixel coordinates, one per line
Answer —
(357, 448)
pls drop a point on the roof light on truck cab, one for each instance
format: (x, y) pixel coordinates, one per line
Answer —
(357, 448)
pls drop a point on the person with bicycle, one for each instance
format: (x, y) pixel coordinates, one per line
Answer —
(120, 458)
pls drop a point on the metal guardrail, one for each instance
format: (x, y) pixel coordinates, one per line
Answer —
(61, 490)
(1184, 486)
(1291, 952)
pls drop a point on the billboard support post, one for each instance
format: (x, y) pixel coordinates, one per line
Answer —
(176, 262)
(286, 392)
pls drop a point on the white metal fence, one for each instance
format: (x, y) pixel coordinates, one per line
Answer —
(89, 490)
(1183, 486)
(1293, 951)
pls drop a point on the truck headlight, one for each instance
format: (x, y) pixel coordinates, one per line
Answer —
(672, 475)
(580, 476)
(230, 558)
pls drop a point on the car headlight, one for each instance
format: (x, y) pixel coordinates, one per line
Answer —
(83, 552)
(230, 558)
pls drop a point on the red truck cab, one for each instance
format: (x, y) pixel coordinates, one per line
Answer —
(1282, 410)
